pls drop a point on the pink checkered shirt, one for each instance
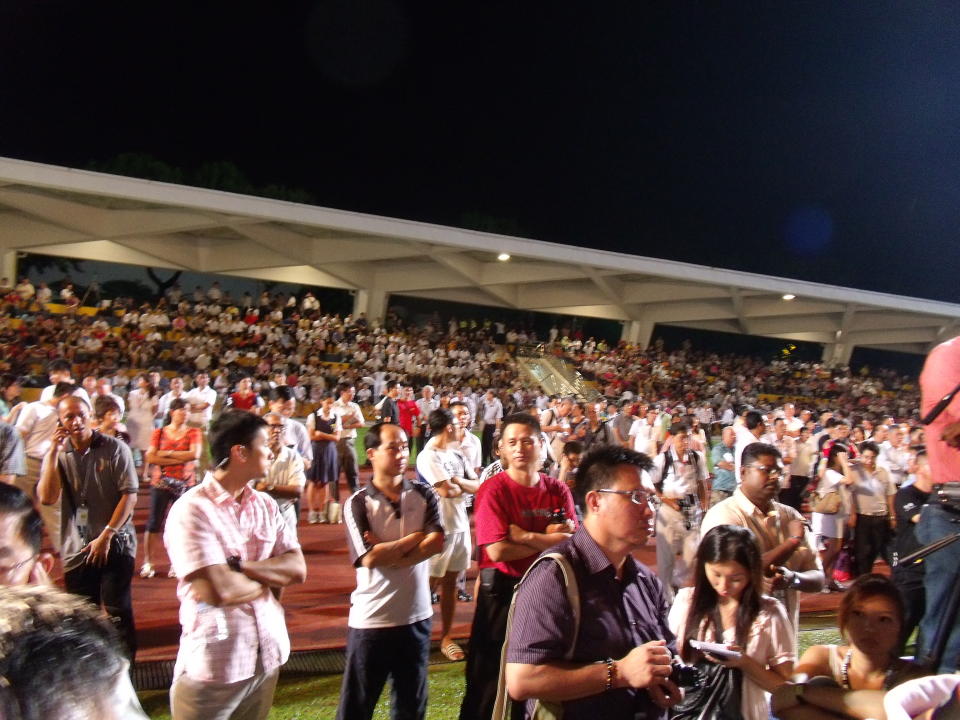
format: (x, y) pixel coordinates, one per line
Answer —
(204, 528)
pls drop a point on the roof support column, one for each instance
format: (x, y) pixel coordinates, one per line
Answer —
(637, 332)
(373, 302)
(8, 266)
(837, 354)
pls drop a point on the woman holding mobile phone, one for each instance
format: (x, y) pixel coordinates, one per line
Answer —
(726, 606)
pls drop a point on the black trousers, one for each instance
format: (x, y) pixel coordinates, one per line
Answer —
(373, 655)
(347, 457)
(486, 642)
(793, 495)
(909, 582)
(486, 443)
(869, 541)
(109, 586)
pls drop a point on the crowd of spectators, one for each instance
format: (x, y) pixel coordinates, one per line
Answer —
(275, 338)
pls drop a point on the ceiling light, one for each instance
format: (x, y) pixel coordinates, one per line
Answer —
(503, 257)
(789, 296)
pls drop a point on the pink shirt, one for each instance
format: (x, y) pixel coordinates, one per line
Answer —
(205, 527)
(941, 374)
(501, 502)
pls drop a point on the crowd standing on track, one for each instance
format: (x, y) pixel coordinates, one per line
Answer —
(758, 480)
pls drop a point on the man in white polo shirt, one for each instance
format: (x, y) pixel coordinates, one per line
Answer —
(443, 467)
(393, 526)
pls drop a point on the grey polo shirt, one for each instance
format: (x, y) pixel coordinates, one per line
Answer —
(98, 479)
(615, 617)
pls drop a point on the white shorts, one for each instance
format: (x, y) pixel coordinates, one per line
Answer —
(454, 557)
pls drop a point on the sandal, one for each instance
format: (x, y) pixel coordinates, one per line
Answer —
(453, 652)
(147, 571)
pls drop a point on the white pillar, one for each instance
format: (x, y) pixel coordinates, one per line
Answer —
(637, 332)
(373, 302)
(8, 266)
(837, 354)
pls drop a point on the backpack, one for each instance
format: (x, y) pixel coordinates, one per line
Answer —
(542, 710)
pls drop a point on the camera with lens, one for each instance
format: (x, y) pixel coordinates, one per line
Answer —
(685, 676)
(558, 515)
(948, 497)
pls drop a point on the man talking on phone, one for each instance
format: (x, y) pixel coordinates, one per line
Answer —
(92, 478)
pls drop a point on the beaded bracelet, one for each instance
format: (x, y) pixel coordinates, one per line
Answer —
(611, 665)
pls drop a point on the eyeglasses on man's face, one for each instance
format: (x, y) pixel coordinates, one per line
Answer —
(773, 471)
(637, 497)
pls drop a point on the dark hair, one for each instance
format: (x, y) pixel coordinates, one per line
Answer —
(438, 420)
(752, 420)
(59, 365)
(104, 404)
(282, 393)
(62, 389)
(572, 447)
(8, 379)
(520, 419)
(679, 427)
(14, 501)
(835, 449)
(233, 427)
(59, 656)
(869, 445)
(868, 586)
(343, 386)
(392, 384)
(724, 543)
(757, 450)
(598, 468)
(372, 439)
(456, 403)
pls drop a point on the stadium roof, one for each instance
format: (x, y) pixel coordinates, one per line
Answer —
(75, 213)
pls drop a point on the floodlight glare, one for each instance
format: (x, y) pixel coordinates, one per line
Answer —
(503, 257)
(789, 296)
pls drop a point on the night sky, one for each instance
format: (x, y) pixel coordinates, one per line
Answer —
(818, 140)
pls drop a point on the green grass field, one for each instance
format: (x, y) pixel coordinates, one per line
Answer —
(300, 698)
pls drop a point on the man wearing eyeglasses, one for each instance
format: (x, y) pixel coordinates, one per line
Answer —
(285, 479)
(780, 530)
(21, 534)
(618, 664)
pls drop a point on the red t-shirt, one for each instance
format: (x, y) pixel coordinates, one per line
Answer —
(501, 502)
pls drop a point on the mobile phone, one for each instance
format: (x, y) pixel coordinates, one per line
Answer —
(715, 649)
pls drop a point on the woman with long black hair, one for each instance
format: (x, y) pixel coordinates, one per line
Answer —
(726, 606)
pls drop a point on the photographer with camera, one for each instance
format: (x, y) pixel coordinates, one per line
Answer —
(940, 406)
(610, 668)
(519, 513)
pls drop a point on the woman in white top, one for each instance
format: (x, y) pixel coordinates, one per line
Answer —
(829, 527)
(141, 408)
(728, 588)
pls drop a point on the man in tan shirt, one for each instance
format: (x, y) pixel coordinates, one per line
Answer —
(779, 529)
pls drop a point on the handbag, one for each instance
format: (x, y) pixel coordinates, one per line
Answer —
(716, 698)
(827, 503)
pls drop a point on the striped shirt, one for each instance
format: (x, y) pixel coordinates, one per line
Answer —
(205, 527)
(389, 596)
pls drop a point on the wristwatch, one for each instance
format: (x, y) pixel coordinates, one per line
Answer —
(233, 562)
